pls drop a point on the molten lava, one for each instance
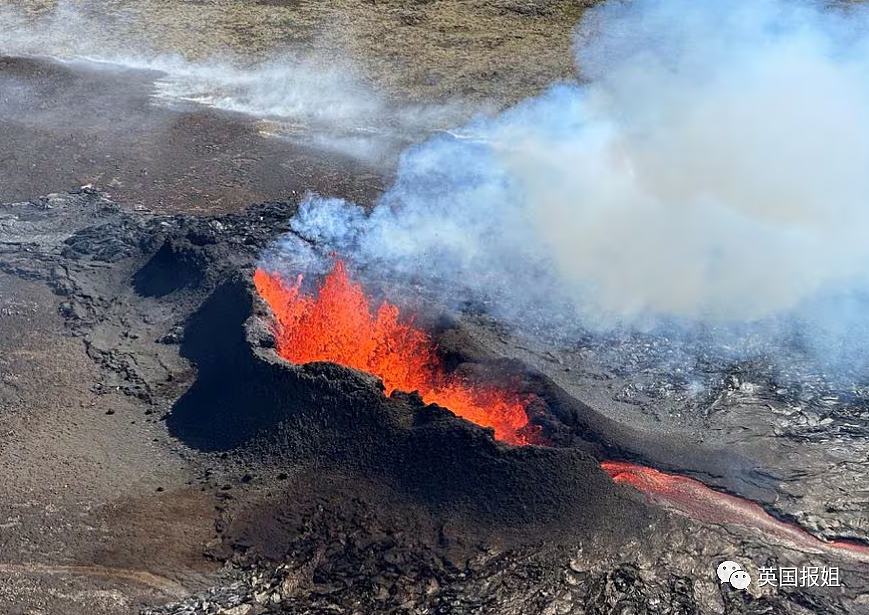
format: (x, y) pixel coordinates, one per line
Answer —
(694, 499)
(338, 325)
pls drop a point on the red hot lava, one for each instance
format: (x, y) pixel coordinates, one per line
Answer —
(696, 500)
(338, 325)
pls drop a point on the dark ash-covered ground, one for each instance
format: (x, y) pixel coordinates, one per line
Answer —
(69, 124)
(157, 447)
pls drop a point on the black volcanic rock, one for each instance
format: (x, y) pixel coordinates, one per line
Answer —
(248, 399)
(372, 504)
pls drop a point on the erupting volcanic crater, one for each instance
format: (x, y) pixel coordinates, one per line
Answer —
(338, 325)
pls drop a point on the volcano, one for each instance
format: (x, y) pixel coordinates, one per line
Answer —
(336, 324)
(333, 480)
(402, 393)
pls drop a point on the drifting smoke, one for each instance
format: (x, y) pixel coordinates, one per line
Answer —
(712, 170)
(303, 95)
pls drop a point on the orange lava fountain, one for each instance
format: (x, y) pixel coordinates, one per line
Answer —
(338, 325)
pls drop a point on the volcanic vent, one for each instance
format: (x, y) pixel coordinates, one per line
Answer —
(312, 377)
(338, 325)
(334, 321)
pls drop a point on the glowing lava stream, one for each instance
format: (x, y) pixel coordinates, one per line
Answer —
(696, 500)
(338, 325)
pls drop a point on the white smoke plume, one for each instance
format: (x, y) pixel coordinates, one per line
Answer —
(712, 166)
(303, 93)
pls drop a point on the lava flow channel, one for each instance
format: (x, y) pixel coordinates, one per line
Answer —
(694, 499)
(338, 325)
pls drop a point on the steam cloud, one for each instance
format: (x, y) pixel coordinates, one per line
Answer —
(305, 95)
(711, 170)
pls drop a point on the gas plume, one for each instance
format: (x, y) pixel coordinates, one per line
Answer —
(708, 171)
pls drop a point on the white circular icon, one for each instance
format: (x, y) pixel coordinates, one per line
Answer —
(740, 579)
(725, 569)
